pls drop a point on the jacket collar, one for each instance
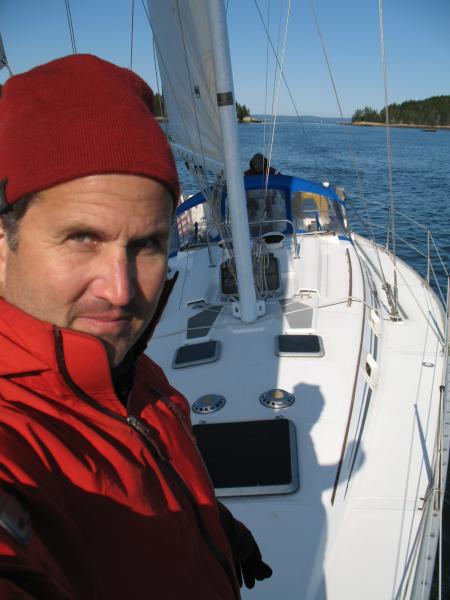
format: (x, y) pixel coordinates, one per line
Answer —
(30, 346)
(25, 342)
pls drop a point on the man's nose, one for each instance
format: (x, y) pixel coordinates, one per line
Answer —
(115, 281)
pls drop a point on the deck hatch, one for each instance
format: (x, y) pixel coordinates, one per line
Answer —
(250, 458)
(299, 345)
(196, 354)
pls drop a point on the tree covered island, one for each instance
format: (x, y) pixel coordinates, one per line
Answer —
(242, 111)
(243, 114)
(431, 112)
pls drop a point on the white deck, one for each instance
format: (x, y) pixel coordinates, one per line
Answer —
(357, 546)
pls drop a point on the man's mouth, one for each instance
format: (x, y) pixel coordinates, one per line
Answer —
(98, 324)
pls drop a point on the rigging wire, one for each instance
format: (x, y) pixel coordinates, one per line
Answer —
(275, 106)
(276, 76)
(340, 301)
(266, 83)
(330, 72)
(389, 150)
(347, 137)
(297, 113)
(71, 30)
(277, 66)
(132, 35)
(268, 317)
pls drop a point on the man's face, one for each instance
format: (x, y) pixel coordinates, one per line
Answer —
(92, 256)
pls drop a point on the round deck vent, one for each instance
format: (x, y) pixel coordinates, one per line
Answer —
(208, 404)
(277, 399)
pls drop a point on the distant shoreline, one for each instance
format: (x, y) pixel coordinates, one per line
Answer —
(249, 119)
(403, 125)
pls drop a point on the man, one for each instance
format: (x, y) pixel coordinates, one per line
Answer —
(259, 165)
(259, 198)
(102, 491)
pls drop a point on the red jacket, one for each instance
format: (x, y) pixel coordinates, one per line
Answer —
(120, 505)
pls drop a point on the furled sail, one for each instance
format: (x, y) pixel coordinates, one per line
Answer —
(182, 38)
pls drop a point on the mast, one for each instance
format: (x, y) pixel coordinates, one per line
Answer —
(249, 307)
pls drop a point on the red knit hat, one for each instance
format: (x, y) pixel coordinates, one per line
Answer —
(77, 116)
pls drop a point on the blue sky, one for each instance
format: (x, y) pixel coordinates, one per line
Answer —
(417, 47)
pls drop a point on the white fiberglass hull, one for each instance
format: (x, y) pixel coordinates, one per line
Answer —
(365, 413)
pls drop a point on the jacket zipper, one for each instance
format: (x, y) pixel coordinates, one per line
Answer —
(145, 435)
(144, 432)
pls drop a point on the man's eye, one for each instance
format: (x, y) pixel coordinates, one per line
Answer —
(82, 238)
(145, 244)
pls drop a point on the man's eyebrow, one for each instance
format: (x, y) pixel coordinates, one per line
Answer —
(79, 226)
(162, 230)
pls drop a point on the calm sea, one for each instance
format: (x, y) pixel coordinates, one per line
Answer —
(356, 158)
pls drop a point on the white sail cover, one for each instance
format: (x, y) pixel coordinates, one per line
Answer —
(183, 43)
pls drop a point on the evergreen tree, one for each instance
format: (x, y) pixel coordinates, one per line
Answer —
(242, 111)
(367, 114)
(431, 111)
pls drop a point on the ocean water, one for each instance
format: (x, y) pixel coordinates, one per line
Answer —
(355, 158)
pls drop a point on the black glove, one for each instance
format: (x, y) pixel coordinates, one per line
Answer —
(247, 557)
(252, 568)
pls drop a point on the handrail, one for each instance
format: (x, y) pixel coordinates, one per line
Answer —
(434, 269)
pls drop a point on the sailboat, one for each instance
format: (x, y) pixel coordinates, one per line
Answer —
(314, 360)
